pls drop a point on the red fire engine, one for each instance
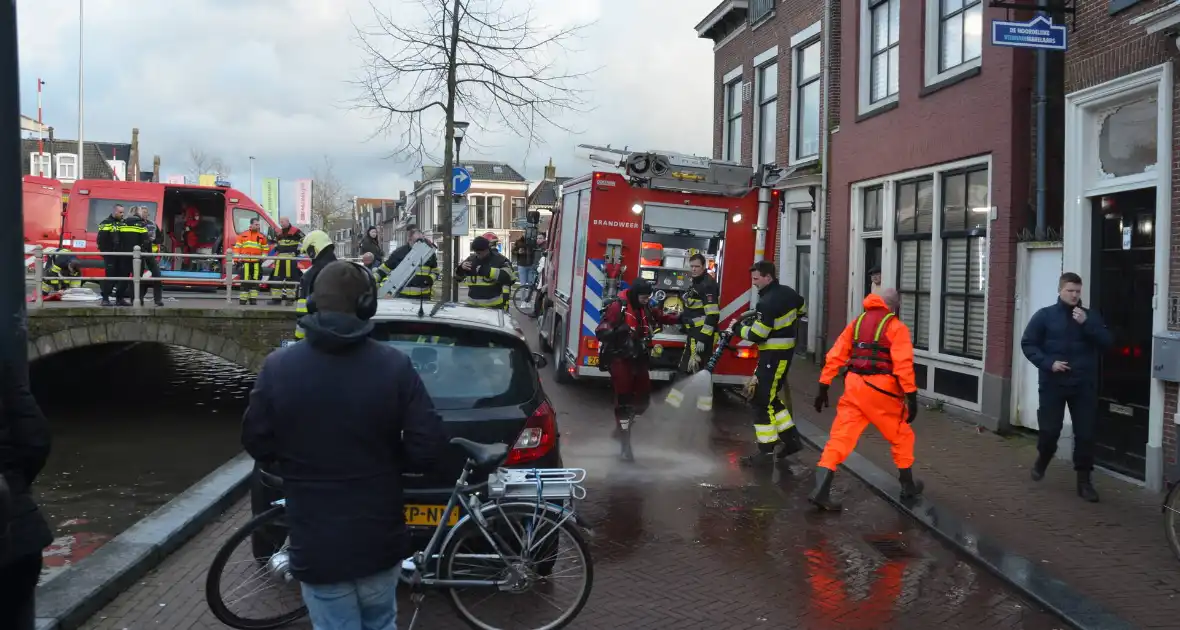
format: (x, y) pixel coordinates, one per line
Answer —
(610, 228)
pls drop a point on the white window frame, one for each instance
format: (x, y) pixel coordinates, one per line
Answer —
(524, 207)
(471, 208)
(763, 60)
(73, 165)
(864, 78)
(889, 266)
(36, 164)
(933, 47)
(804, 38)
(729, 79)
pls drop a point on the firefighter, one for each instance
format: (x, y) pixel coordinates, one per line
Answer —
(317, 246)
(488, 275)
(286, 269)
(149, 262)
(879, 388)
(250, 245)
(699, 322)
(625, 333)
(61, 273)
(424, 278)
(772, 326)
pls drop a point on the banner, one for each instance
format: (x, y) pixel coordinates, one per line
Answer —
(303, 201)
(208, 180)
(270, 197)
(176, 179)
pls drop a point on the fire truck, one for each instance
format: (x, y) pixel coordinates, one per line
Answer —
(610, 228)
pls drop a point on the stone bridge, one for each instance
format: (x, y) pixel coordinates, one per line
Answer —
(241, 335)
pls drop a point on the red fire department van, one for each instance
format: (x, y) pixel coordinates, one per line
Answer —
(604, 234)
(193, 219)
(43, 209)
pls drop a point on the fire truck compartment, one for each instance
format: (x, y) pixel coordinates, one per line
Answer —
(667, 219)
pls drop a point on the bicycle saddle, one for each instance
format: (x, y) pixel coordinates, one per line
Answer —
(483, 455)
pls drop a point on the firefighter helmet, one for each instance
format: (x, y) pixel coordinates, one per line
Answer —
(315, 242)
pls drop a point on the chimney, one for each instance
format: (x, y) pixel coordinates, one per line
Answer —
(550, 172)
(133, 159)
(401, 195)
(156, 169)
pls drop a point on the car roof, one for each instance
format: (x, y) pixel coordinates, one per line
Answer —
(449, 313)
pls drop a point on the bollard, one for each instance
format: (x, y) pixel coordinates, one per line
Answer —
(38, 274)
(136, 270)
(229, 276)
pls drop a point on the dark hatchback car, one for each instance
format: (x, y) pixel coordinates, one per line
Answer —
(483, 380)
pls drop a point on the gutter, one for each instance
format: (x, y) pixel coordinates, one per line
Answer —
(818, 329)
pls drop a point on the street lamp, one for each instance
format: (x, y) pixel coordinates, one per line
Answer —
(251, 177)
(460, 129)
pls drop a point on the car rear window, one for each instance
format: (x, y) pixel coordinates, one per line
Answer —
(463, 368)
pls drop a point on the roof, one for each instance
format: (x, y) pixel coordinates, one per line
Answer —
(480, 171)
(405, 309)
(95, 165)
(546, 192)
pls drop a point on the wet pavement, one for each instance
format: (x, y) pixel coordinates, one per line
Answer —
(683, 538)
(114, 461)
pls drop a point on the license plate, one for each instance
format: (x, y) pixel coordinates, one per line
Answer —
(591, 360)
(1122, 410)
(429, 515)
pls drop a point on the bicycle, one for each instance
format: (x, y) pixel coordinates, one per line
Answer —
(1171, 510)
(517, 535)
(527, 297)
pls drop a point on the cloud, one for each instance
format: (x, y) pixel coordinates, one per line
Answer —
(270, 78)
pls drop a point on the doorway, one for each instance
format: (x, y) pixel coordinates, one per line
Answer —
(1122, 287)
(872, 259)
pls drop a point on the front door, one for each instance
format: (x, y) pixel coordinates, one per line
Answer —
(1123, 281)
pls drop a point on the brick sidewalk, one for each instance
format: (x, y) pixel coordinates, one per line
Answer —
(1114, 551)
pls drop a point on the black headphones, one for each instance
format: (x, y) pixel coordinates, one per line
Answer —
(366, 304)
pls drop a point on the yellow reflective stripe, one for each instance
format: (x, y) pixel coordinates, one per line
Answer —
(881, 327)
(705, 403)
(778, 343)
(760, 329)
(856, 327)
(786, 320)
(783, 421)
(765, 433)
(708, 330)
(675, 398)
(132, 229)
(478, 281)
(301, 306)
(712, 309)
(496, 301)
(414, 291)
(107, 227)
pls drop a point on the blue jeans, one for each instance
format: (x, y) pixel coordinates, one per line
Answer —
(526, 273)
(369, 603)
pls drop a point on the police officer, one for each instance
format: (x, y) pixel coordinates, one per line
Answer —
(149, 261)
(488, 275)
(699, 321)
(772, 327)
(286, 268)
(424, 277)
(318, 246)
(120, 232)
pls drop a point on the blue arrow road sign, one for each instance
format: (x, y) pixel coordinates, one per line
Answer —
(460, 180)
(1039, 32)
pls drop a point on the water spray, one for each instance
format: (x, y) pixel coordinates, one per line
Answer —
(702, 381)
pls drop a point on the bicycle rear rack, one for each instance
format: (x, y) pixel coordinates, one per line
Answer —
(550, 484)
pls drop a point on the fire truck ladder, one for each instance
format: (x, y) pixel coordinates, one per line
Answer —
(669, 170)
(408, 268)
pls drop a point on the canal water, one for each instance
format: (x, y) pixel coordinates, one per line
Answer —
(134, 424)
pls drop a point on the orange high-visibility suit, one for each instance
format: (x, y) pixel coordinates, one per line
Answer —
(250, 245)
(879, 388)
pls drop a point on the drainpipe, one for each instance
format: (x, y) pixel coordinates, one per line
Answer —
(818, 328)
(1041, 99)
(13, 327)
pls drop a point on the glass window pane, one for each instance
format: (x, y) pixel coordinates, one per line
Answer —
(768, 83)
(1127, 138)
(909, 309)
(908, 272)
(871, 216)
(952, 41)
(894, 20)
(925, 207)
(894, 70)
(921, 332)
(954, 199)
(905, 208)
(880, 27)
(925, 251)
(978, 209)
(973, 32)
(767, 128)
(808, 124)
(955, 273)
(977, 279)
(809, 62)
(803, 272)
(495, 212)
(803, 225)
(879, 77)
(976, 322)
(950, 6)
(954, 323)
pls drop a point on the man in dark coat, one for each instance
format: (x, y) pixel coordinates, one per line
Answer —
(24, 534)
(1065, 341)
(341, 452)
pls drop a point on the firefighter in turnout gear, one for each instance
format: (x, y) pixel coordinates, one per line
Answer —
(699, 322)
(250, 246)
(879, 388)
(420, 285)
(772, 327)
(628, 324)
(488, 275)
(317, 246)
(61, 272)
(286, 269)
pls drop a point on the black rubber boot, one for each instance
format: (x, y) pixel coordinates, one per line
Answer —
(910, 489)
(1039, 467)
(790, 441)
(625, 438)
(274, 302)
(821, 497)
(764, 458)
(1086, 487)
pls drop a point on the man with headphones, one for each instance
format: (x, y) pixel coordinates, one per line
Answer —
(341, 451)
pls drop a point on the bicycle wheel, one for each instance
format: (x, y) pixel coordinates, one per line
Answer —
(257, 603)
(523, 300)
(1172, 519)
(545, 557)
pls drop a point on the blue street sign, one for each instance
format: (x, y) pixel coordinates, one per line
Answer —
(1039, 32)
(460, 180)
(222, 182)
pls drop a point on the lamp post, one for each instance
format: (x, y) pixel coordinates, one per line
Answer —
(81, 152)
(460, 131)
(251, 177)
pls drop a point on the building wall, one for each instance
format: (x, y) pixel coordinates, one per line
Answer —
(984, 113)
(1105, 47)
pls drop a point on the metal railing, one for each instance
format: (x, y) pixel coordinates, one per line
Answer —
(227, 282)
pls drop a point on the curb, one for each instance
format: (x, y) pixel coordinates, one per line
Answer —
(1059, 598)
(70, 599)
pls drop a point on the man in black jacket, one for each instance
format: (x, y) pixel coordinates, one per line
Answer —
(488, 275)
(149, 263)
(1065, 341)
(341, 451)
(24, 534)
(120, 232)
(420, 285)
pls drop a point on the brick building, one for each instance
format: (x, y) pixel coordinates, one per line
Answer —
(1120, 226)
(770, 73)
(497, 197)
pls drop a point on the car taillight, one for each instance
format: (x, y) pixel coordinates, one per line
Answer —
(538, 437)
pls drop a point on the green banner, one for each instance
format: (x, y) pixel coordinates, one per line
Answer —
(270, 197)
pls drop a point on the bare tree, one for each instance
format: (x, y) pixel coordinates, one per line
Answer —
(495, 67)
(201, 163)
(329, 201)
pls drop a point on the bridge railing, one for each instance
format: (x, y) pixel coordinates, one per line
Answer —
(230, 260)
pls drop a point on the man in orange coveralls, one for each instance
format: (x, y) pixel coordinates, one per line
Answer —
(879, 388)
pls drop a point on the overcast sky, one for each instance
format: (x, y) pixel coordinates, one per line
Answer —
(270, 78)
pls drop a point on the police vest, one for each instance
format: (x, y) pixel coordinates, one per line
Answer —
(870, 349)
(289, 240)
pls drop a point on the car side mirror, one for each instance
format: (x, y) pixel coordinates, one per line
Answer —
(539, 360)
